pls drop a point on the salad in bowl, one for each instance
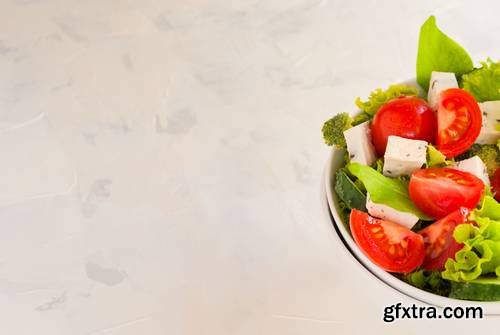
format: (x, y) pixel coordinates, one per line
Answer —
(418, 185)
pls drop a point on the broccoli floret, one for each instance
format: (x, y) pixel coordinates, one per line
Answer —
(333, 129)
(489, 154)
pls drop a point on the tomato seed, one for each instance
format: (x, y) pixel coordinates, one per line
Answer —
(400, 251)
(441, 240)
(437, 251)
(392, 250)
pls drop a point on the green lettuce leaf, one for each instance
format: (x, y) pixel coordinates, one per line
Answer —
(480, 254)
(438, 52)
(436, 157)
(478, 257)
(379, 97)
(483, 83)
(360, 118)
(430, 281)
(379, 165)
(385, 190)
(490, 208)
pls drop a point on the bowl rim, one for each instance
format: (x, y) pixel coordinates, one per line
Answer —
(335, 161)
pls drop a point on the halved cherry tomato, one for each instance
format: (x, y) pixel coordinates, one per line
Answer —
(393, 247)
(408, 117)
(440, 191)
(495, 184)
(459, 121)
(439, 242)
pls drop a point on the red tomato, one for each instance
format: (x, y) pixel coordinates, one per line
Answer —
(439, 242)
(495, 184)
(459, 121)
(391, 246)
(440, 191)
(408, 117)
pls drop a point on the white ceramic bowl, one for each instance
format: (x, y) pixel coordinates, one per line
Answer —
(335, 162)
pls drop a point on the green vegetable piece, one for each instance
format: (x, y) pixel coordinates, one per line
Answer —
(490, 208)
(487, 192)
(350, 194)
(379, 165)
(467, 266)
(463, 232)
(482, 289)
(379, 97)
(489, 154)
(333, 130)
(405, 179)
(360, 118)
(483, 83)
(438, 52)
(430, 281)
(384, 190)
(359, 184)
(436, 157)
(344, 213)
(480, 254)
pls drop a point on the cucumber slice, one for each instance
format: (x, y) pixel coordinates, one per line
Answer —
(482, 289)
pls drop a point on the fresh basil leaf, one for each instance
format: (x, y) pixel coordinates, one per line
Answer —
(438, 52)
(385, 190)
(347, 190)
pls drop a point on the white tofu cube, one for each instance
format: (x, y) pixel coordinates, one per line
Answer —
(491, 118)
(403, 156)
(475, 166)
(439, 82)
(359, 144)
(388, 213)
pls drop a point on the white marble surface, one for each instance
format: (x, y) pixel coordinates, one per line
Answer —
(161, 161)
